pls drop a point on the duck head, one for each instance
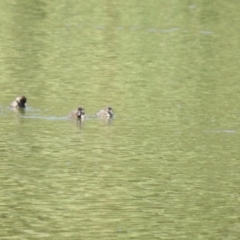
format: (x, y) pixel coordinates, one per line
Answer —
(109, 111)
(81, 113)
(21, 101)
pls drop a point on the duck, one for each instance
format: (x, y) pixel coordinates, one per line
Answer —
(19, 102)
(106, 113)
(78, 114)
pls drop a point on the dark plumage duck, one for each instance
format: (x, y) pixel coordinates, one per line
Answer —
(78, 114)
(106, 113)
(20, 102)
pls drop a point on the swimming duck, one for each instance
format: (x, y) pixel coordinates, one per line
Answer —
(20, 102)
(105, 113)
(78, 114)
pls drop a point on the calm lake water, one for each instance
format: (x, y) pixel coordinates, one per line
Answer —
(167, 167)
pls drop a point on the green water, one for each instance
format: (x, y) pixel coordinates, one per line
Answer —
(167, 167)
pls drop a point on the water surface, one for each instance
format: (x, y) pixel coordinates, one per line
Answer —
(167, 166)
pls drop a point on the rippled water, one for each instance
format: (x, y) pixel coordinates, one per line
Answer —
(167, 166)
